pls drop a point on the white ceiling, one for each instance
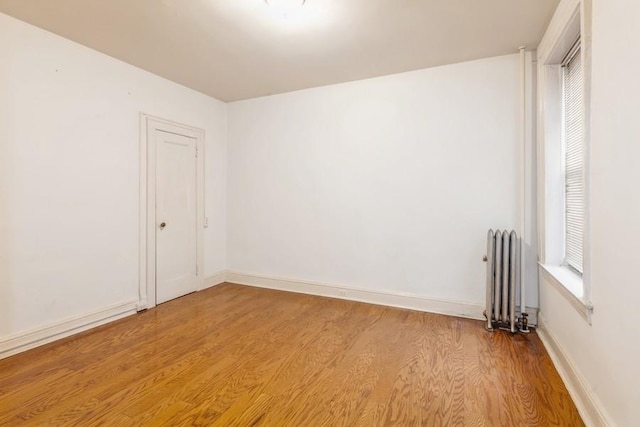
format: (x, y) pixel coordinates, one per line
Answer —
(238, 49)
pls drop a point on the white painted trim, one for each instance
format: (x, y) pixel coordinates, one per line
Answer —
(392, 299)
(147, 253)
(400, 300)
(557, 39)
(572, 18)
(565, 13)
(34, 338)
(589, 407)
(586, 34)
(584, 308)
(214, 280)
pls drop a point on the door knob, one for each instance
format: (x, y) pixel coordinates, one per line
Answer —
(163, 225)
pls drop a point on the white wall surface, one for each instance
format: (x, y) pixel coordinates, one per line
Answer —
(388, 184)
(69, 174)
(607, 354)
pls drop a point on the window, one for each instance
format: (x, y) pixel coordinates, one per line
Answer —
(564, 97)
(573, 150)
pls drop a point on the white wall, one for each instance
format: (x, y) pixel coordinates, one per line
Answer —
(388, 184)
(606, 355)
(69, 175)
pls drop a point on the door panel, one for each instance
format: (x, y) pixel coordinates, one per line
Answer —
(176, 238)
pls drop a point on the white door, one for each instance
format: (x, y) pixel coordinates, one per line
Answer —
(176, 240)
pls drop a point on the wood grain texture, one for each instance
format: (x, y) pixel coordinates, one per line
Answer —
(240, 356)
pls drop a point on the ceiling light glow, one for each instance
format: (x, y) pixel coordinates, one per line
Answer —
(285, 7)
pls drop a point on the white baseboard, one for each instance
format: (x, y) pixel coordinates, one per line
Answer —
(400, 300)
(24, 341)
(27, 340)
(412, 302)
(587, 404)
(214, 280)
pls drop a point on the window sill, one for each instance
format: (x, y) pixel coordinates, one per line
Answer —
(570, 286)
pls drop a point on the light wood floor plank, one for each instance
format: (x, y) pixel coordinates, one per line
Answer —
(236, 355)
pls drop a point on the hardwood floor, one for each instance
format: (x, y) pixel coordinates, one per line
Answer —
(235, 355)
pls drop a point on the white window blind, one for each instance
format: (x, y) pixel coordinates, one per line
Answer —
(573, 99)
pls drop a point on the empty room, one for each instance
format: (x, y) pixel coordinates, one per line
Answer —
(319, 212)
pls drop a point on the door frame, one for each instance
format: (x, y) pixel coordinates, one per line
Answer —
(147, 208)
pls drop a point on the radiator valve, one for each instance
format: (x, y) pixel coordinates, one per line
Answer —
(524, 323)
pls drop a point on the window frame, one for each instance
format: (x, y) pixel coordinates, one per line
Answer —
(570, 22)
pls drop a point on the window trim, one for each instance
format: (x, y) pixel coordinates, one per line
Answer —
(565, 281)
(570, 22)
